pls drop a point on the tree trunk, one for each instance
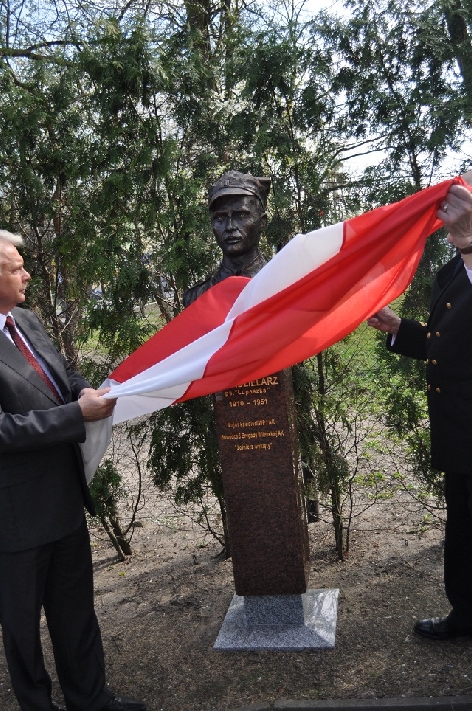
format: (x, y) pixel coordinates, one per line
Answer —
(335, 490)
(455, 14)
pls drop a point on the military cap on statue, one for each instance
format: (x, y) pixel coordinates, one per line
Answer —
(235, 183)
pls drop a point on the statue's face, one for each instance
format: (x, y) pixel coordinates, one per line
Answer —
(237, 222)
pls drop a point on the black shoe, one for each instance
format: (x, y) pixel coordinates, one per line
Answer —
(438, 628)
(121, 703)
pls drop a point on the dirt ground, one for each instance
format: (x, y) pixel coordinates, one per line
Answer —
(160, 613)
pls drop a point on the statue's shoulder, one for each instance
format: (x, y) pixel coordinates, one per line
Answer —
(255, 266)
(191, 294)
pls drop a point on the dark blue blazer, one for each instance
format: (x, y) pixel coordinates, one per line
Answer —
(42, 484)
(445, 342)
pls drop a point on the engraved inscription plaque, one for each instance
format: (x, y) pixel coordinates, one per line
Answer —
(263, 487)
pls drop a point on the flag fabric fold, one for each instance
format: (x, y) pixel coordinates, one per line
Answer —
(313, 293)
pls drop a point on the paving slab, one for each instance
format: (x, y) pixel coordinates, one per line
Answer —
(443, 703)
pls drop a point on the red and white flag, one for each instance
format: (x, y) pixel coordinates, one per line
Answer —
(315, 291)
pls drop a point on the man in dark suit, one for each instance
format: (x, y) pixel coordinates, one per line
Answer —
(445, 342)
(45, 558)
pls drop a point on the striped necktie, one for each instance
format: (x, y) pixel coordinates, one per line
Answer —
(21, 345)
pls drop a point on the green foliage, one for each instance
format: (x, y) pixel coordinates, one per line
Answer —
(184, 444)
(343, 417)
(183, 455)
(402, 94)
(304, 386)
(106, 488)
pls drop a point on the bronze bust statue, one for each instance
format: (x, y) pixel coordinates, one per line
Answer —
(237, 204)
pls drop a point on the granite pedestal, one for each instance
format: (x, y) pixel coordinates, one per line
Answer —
(264, 497)
(263, 486)
(280, 622)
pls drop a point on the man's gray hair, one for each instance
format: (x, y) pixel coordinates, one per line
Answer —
(15, 240)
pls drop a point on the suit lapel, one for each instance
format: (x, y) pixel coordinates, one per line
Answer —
(10, 355)
(451, 271)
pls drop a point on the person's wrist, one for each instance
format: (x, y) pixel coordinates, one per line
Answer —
(466, 250)
(462, 240)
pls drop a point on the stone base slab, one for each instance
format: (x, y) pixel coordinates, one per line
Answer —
(308, 622)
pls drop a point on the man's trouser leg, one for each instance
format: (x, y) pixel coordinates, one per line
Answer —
(72, 623)
(21, 582)
(458, 549)
(57, 576)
